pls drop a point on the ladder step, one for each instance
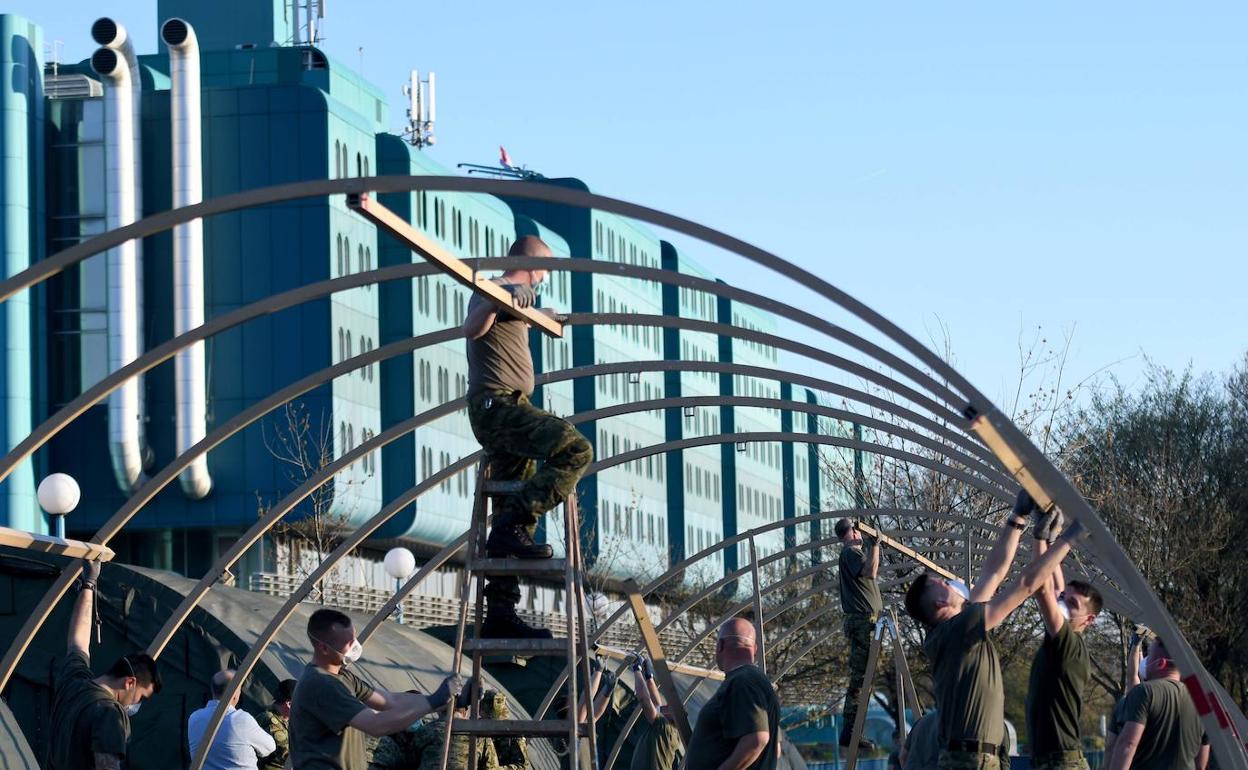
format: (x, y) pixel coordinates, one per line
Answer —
(503, 487)
(553, 728)
(519, 566)
(518, 646)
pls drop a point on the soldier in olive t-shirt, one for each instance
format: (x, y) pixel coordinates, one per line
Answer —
(745, 703)
(966, 672)
(321, 736)
(93, 720)
(1172, 735)
(860, 601)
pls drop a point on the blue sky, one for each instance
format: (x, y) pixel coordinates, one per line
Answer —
(972, 170)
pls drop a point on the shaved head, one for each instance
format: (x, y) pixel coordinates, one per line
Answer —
(529, 246)
(735, 645)
(737, 632)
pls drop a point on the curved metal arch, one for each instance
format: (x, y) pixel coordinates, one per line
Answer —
(545, 193)
(365, 529)
(1023, 458)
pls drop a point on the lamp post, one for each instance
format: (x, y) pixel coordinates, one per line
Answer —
(58, 495)
(400, 563)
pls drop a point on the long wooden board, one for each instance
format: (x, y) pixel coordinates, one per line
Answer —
(75, 549)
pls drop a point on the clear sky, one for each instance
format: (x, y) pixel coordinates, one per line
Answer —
(977, 168)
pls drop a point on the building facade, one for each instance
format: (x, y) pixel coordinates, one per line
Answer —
(274, 112)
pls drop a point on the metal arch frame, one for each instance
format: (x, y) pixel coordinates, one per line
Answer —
(363, 530)
(307, 293)
(1015, 450)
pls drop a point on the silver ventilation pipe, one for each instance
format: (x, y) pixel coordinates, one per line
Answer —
(190, 373)
(124, 424)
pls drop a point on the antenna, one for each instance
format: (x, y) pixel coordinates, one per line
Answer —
(421, 111)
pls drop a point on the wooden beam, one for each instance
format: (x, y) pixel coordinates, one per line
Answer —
(389, 222)
(662, 672)
(75, 549)
(679, 668)
(883, 539)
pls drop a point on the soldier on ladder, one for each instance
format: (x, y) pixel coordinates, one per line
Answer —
(516, 436)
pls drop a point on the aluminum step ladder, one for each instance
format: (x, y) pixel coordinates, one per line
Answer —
(478, 566)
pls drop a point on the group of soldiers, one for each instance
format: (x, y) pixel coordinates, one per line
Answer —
(328, 713)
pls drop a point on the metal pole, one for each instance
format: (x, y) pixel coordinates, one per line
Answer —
(761, 650)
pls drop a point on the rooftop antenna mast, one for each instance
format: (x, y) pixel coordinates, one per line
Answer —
(422, 109)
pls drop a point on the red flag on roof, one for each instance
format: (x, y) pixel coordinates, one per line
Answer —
(503, 158)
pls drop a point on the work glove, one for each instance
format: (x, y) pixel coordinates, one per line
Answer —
(450, 688)
(634, 662)
(647, 669)
(608, 681)
(464, 698)
(90, 573)
(522, 295)
(1023, 507)
(1046, 525)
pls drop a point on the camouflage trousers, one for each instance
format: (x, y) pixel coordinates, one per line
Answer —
(1062, 760)
(969, 760)
(858, 631)
(516, 437)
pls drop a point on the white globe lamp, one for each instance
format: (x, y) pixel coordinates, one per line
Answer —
(58, 495)
(399, 563)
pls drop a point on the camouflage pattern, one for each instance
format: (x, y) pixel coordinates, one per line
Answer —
(501, 753)
(277, 726)
(970, 760)
(858, 631)
(1065, 760)
(515, 436)
(420, 749)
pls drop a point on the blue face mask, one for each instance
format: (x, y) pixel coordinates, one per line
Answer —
(133, 708)
(960, 587)
(1063, 608)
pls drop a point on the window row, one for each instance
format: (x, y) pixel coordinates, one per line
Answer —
(649, 337)
(648, 527)
(610, 445)
(445, 302)
(701, 482)
(460, 480)
(363, 255)
(700, 304)
(463, 234)
(766, 351)
(347, 350)
(617, 386)
(342, 161)
(757, 503)
(346, 440)
(608, 244)
(691, 352)
(766, 453)
(698, 540)
(705, 422)
(425, 383)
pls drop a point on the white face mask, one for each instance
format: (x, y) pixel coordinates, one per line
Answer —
(960, 587)
(1063, 608)
(353, 652)
(133, 708)
(1144, 668)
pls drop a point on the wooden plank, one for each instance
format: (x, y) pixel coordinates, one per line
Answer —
(662, 673)
(389, 222)
(529, 728)
(679, 668)
(75, 549)
(883, 539)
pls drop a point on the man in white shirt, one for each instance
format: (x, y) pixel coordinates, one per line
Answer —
(240, 743)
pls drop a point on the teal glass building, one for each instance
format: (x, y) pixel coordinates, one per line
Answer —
(276, 112)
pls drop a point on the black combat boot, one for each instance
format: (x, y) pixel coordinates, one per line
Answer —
(512, 541)
(502, 622)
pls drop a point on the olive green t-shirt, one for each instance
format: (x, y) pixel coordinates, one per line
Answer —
(966, 674)
(658, 748)
(1059, 676)
(1172, 732)
(500, 360)
(859, 594)
(745, 703)
(923, 743)
(320, 715)
(87, 719)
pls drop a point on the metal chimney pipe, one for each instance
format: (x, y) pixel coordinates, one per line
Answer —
(124, 423)
(112, 34)
(190, 373)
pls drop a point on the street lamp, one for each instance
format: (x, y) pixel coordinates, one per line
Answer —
(399, 563)
(58, 495)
